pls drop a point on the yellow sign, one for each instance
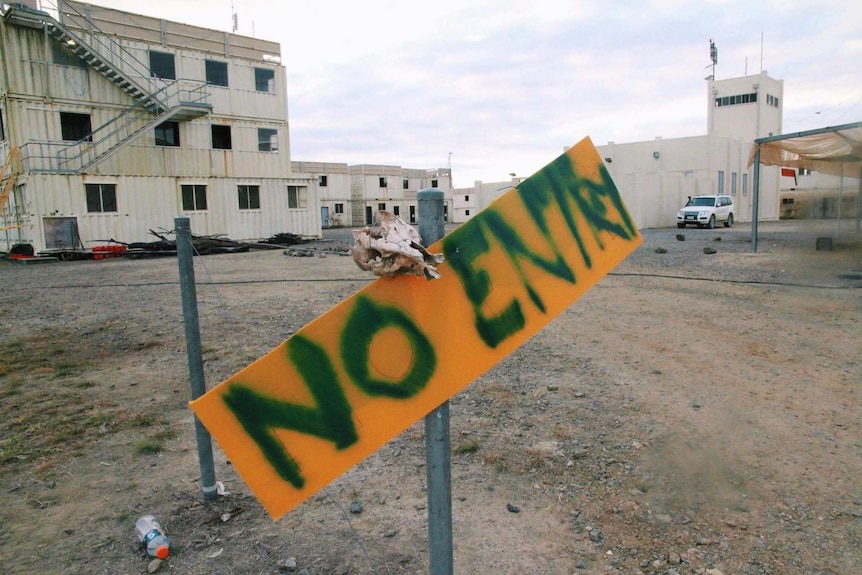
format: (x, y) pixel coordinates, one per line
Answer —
(376, 363)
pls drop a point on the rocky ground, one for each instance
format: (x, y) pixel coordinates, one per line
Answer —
(694, 413)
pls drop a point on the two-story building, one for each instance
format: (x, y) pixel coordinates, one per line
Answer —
(350, 195)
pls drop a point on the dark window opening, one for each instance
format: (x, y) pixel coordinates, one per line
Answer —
(321, 181)
(2, 127)
(382, 182)
(433, 183)
(249, 197)
(339, 208)
(168, 134)
(405, 184)
(221, 137)
(63, 56)
(737, 99)
(194, 197)
(267, 140)
(75, 127)
(162, 65)
(396, 210)
(381, 207)
(101, 197)
(466, 212)
(466, 198)
(216, 72)
(412, 214)
(264, 80)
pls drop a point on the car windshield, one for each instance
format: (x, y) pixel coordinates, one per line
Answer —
(702, 202)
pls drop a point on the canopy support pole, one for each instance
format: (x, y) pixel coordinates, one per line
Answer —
(756, 199)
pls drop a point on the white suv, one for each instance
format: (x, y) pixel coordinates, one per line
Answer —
(706, 211)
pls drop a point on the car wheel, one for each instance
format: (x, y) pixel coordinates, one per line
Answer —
(680, 226)
(711, 223)
(729, 221)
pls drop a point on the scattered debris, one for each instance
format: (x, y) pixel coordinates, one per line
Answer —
(680, 237)
(660, 250)
(513, 508)
(708, 250)
(392, 247)
(284, 239)
(299, 253)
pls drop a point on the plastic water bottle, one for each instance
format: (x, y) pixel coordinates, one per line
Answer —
(153, 536)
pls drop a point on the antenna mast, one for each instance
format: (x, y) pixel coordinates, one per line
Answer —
(713, 55)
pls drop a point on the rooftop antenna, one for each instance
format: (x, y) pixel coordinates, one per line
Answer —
(713, 55)
(234, 19)
(761, 52)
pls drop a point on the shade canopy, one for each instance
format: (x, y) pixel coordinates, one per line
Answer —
(834, 150)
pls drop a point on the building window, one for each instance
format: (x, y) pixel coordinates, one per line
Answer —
(466, 212)
(64, 57)
(412, 210)
(433, 183)
(264, 80)
(216, 72)
(162, 65)
(732, 183)
(737, 99)
(101, 197)
(396, 210)
(321, 181)
(168, 134)
(2, 127)
(221, 137)
(75, 127)
(721, 182)
(267, 140)
(381, 207)
(382, 182)
(339, 208)
(466, 198)
(787, 201)
(249, 197)
(744, 184)
(405, 184)
(297, 197)
(688, 174)
(194, 197)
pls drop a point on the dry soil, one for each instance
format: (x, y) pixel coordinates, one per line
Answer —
(692, 413)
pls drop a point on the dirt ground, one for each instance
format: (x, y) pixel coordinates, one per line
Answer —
(692, 414)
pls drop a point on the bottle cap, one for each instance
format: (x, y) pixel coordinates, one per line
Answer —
(162, 551)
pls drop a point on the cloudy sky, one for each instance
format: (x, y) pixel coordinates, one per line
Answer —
(493, 87)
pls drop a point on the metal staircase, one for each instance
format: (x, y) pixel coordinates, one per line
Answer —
(156, 100)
